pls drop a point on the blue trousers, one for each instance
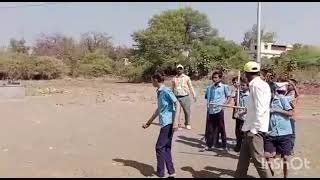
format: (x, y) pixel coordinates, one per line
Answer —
(163, 151)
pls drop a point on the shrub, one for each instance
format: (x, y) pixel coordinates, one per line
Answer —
(94, 65)
(24, 67)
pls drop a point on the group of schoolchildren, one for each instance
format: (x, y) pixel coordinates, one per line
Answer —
(279, 140)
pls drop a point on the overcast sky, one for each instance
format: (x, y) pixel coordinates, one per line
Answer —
(292, 21)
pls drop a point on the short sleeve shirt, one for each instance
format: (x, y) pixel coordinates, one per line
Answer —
(217, 94)
(166, 106)
(280, 124)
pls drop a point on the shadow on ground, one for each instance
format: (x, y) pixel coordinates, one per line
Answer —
(210, 172)
(197, 143)
(145, 169)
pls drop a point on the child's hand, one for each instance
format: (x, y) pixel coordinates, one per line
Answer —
(175, 127)
(273, 110)
(145, 126)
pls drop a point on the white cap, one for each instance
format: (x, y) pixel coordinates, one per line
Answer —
(179, 66)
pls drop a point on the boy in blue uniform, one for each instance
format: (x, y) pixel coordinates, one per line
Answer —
(293, 95)
(219, 94)
(240, 114)
(279, 138)
(168, 111)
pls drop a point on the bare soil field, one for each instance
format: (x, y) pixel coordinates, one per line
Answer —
(83, 128)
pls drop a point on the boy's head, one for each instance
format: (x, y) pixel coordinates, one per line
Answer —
(234, 81)
(244, 84)
(264, 74)
(281, 88)
(216, 76)
(157, 79)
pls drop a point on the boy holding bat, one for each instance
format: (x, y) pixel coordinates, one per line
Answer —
(240, 113)
(217, 94)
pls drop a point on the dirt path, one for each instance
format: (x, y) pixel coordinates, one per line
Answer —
(94, 130)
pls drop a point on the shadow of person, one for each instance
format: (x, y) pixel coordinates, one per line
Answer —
(222, 172)
(222, 153)
(145, 169)
(190, 142)
(197, 143)
(210, 172)
(199, 174)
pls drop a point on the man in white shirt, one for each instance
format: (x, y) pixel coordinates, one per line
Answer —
(256, 124)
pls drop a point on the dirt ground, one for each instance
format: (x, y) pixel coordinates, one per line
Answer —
(82, 128)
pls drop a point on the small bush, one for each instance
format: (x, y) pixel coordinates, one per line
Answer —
(133, 73)
(24, 67)
(94, 65)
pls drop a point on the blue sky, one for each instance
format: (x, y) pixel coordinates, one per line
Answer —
(292, 21)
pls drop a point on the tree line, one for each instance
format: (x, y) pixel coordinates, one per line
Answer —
(182, 36)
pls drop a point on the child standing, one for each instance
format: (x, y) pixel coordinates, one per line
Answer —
(219, 94)
(293, 94)
(168, 111)
(240, 114)
(279, 138)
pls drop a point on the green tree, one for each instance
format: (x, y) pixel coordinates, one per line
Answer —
(18, 46)
(250, 37)
(168, 35)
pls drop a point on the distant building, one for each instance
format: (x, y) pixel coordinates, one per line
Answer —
(269, 50)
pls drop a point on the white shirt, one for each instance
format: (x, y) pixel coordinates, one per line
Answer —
(258, 109)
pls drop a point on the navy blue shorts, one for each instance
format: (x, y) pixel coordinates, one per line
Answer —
(281, 145)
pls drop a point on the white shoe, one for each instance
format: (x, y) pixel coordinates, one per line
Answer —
(188, 127)
(172, 175)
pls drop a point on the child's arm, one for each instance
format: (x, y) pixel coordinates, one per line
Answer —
(284, 112)
(295, 90)
(173, 84)
(177, 116)
(287, 108)
(153, 117)
(228, 94)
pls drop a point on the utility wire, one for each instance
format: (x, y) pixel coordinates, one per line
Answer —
(31, 5)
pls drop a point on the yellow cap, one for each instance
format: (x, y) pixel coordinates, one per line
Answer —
(251, 66)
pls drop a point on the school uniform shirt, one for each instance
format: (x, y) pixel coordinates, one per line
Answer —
(258, 108)
(166, 106)
(243, 102)
(280, 124)
(293, 102)
(216, 93)
(181, 87)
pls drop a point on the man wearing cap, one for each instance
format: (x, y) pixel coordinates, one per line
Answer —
(256, 124)
(182, 87)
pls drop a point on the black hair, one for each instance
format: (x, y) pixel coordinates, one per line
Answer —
(219, 73)
(234, 79)
(244, 80)
(253, 73)
(159, 76)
